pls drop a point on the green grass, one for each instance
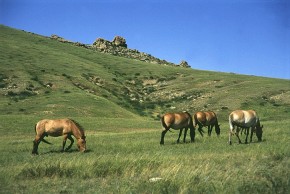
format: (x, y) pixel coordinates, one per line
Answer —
(118, 102)
(125, 161)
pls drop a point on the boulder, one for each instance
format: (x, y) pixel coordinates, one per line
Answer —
(119, 41)
(102, 44)
(184, 64)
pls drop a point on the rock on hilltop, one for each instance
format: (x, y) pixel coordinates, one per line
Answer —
(118, 47)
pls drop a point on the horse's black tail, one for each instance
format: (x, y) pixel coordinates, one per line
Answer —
(162, 122)
(46, 141)
(195, 124)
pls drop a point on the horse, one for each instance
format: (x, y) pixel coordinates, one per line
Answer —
(245, 119)
(208, 119)
(177, 121)
(59, 127)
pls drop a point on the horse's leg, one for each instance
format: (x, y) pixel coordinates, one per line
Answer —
(35, 146)
(210, 129)
(240, 130)
(163, 135)
(184, 136)
(237, 134)
(230, 135)
(180, 133)
(200, 129)
(71, 142)
(64, 142)
(247, 133)
(252, 131)
(36, 142)
(192, 133)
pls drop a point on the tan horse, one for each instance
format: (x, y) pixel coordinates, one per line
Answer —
(208, 119)
(245, 119)
(55, 128)
(177, 121)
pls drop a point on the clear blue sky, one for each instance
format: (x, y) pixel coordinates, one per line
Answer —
(241, 36)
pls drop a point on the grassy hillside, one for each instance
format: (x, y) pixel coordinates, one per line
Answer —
(45, 77)
(118, 101)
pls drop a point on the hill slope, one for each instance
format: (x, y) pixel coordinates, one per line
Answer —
(40, 76)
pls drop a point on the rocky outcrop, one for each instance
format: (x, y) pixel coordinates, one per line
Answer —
(184, 64)
(118, 47)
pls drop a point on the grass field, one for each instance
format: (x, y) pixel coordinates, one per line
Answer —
(118, 102)
(125, 159)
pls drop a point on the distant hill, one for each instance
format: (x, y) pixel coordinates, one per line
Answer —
(44, 77)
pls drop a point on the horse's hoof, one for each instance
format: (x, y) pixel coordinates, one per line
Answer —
(230, 142)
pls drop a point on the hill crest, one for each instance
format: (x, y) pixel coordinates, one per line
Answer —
(118, 47)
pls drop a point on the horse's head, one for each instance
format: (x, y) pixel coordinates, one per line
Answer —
(259, 132)
(82, 144)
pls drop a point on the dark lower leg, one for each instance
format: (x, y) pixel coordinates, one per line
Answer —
(71, 143)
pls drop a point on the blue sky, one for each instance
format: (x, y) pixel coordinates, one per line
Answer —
(241, 36)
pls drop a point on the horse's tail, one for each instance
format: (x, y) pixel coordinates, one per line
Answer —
(195, 119)
(162, 121)
(164, 124)
(231, 124)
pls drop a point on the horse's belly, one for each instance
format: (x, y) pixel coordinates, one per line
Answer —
(178, 126)
(55, 132)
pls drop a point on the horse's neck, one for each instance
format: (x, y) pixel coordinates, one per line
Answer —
(216, 123)
(258, 122)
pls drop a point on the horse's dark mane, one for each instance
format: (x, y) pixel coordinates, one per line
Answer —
(77, 124)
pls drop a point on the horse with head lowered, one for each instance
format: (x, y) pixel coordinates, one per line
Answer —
(60, 127)
(245, 119)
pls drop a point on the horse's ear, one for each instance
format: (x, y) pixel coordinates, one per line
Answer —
(262, 126)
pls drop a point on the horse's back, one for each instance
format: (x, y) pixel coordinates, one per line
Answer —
(243, 118)
(211, 117)
(40, 126)
(200, 116)
(55, 127)
(206, 118)
(176, 120)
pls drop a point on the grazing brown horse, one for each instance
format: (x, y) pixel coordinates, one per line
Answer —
(177, 121)
(55, 128)
(208, 119)
(245, 119)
